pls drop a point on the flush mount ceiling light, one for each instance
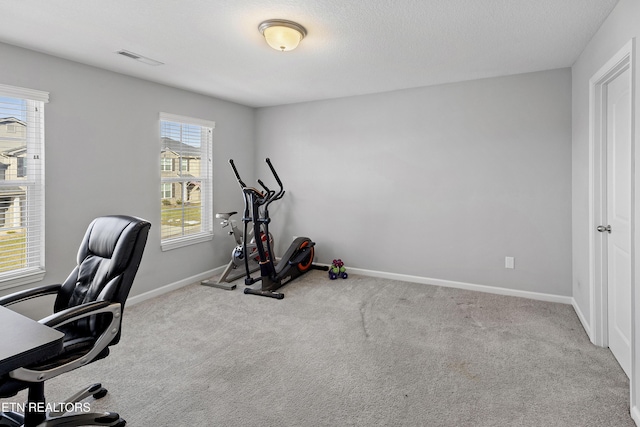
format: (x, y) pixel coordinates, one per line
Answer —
(281, 34)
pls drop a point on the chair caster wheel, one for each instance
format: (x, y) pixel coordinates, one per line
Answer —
(100, 394)
(121, 423)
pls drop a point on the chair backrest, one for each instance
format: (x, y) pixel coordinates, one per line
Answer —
(108, 259)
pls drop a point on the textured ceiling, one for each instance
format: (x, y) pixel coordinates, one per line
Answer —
(353, 46)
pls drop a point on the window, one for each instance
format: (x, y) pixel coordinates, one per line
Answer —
(167, 192)
(186, 196)
(166, 164)
(21, 185)
(22, 170)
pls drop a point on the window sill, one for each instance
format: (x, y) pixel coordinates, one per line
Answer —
(180, 242)
(22, 278)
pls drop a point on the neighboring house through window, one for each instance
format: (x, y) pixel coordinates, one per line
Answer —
(21, 185)
(186, 196)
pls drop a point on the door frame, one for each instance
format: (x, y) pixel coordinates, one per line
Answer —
(620, 62)
(623, 60)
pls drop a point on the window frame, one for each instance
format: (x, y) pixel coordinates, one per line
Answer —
(166, 164)
(164, 188)
(35, 183)
(205, 178)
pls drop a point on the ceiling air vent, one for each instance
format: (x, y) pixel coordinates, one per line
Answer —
(140, 58)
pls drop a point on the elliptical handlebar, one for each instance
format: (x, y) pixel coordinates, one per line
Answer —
(262, 184)
(235, 171)
(277, 194)
(273, 171)
(269, 195)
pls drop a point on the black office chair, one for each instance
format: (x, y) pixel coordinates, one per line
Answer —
(88, 309)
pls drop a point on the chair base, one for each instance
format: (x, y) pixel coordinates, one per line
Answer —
(63, 418)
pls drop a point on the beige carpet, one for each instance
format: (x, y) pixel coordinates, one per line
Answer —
(355, 352)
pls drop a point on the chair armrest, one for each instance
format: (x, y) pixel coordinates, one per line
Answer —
(73, 313)
(29, 293)
(70, 315)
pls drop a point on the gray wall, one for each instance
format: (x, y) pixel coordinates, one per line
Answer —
(622, 24)
(102, 157)
(439, 182)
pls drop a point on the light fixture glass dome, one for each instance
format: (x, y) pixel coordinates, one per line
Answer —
(282, 35)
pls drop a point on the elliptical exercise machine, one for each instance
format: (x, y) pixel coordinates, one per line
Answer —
(297, 260)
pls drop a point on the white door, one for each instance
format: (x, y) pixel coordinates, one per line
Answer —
(618, 140)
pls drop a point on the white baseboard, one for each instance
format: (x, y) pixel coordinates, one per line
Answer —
(635, 415)
(173, 286)
(462, 285)
(392, 276)
(582, 318)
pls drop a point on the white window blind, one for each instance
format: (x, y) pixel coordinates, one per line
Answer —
(186, 196)
(21, 185)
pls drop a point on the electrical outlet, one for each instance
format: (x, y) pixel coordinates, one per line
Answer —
(509, 262)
